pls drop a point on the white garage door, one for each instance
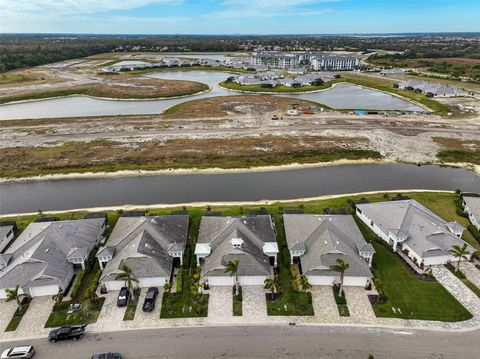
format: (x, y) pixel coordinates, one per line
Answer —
(114, 284)
(320, 280)
(217, 281)
(44, 290)
(252, 280)
(152, 282)
(355, 281)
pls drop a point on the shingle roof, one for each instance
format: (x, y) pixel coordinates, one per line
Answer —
(143, 243)
(473, 203)
(4, 230)
(327, 238)
(255, 231)
(428, 234)
(41, 251)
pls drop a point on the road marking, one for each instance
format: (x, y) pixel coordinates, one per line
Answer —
(402, 333)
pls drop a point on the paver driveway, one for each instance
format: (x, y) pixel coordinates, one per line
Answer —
(6, 313)
(34, 319)
(359, 306)
(146, 319)
(324, 306)
(111, 316)
(254, 302)
(220, 303)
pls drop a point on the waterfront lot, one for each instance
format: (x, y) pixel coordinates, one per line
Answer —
(413, 298)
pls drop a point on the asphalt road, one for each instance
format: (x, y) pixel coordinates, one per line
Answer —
(267, 342)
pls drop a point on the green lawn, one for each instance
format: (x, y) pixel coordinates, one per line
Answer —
(341, 302)
(60, 316)
(416, 298)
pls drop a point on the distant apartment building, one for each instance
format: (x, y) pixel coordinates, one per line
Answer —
(318, 61)
(276, 60)
(326, 62)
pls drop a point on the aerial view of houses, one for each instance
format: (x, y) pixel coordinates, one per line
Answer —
(190, 179)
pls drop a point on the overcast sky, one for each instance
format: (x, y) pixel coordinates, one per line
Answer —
(238, 16)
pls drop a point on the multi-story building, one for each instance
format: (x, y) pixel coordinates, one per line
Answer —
(277, 60)
(327, 62)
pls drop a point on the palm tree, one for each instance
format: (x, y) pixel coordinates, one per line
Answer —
(304, 283)
(57, 298)
(14, 295)
(272, 285)
(460, 252)
(127, 275)
(232, 268)
(340, 266)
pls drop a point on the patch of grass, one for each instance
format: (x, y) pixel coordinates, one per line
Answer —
(177, 305)
(17, 317)
(237, 303)
(458, 157)
(341, 302)
(130, 311)
(60, 316)
(416, 298)
(460, 275)
(158, 89)
(10, 78)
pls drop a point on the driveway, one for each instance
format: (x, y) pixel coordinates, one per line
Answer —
(324, 306)
(7, 309)
(220, 303)
(111, 316)
(254, 302)
(34, 319)
(146, 319)
(359, 306)
(472, 273)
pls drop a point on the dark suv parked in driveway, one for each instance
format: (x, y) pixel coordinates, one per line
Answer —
(150, 298)
(123, 296)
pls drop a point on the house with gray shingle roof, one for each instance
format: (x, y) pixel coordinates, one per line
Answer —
(250, 239)
(43, 258)
(7, 232)
(151, 246)
(317, 241)
(471, 205)
(407, 225)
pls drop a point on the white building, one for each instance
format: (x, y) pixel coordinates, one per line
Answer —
(317, 241)
(149, 246)
(327, 62)
(408, 226)
(250, 239)
(471, 205)
(43, 258)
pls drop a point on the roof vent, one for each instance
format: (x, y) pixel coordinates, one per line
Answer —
(46, 250)
(60, 225)
(236, 242)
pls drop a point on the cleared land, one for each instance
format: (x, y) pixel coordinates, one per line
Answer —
(102, 155)
(235, 105)
(451, 66)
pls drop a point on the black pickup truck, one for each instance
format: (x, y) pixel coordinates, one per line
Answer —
(73, 332)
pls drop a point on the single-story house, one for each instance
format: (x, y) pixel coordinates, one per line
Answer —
(150, 245)
(43, 258)
(7, 232)
(407, 225)
(471, 205)
(250, 239)
(317, 241)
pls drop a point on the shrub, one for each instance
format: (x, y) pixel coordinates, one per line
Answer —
(293, 272)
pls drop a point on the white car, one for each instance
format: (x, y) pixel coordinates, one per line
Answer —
(18, 352)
